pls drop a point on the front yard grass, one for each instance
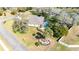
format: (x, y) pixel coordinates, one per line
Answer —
(27, 38)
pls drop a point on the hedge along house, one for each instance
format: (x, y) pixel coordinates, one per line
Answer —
(36, 21)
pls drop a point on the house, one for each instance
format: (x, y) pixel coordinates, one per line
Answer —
(36, 21)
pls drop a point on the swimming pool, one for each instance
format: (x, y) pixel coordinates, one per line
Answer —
(45, 24)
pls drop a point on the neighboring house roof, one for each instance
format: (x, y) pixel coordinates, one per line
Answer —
(36, 20)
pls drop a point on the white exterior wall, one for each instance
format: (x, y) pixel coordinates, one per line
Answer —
(34, 25)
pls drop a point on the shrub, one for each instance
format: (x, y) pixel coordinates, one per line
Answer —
(37, 43)
(13, 12)
(39, 36)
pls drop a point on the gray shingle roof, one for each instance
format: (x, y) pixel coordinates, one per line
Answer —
(36, 20)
